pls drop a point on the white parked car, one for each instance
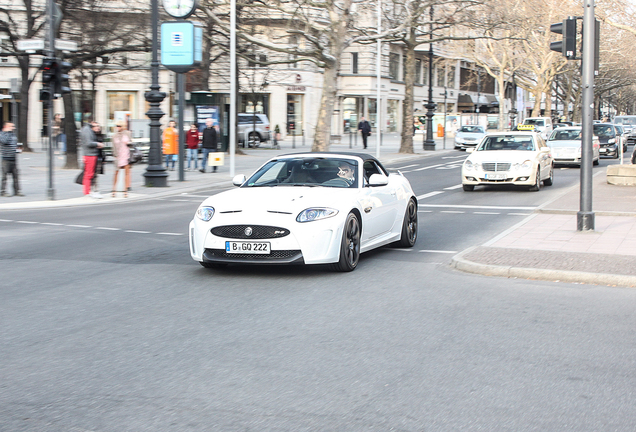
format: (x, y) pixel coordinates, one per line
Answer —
(469, 136)
(306, 208)
(565, 144)
(514, 158)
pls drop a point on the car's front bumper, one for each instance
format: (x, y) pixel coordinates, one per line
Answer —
(478, 177)
(608, 150)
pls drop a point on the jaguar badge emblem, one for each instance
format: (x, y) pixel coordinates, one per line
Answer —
(248, 231)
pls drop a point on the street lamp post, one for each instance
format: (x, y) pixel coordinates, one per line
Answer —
(429, 144)
(155, 175)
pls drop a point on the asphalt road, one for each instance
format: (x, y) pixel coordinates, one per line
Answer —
(108, 325)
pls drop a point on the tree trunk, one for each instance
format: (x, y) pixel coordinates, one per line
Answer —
(501, 82)
(536, 110)
(406, 144)
(71, 133)
(322, 135)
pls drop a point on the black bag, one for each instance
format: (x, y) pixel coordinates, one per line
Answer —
(135, 155)
(80, 178)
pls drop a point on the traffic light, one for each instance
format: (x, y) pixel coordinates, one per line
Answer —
(61, 78)
(566, 46)
(49, 70)
(45, 94)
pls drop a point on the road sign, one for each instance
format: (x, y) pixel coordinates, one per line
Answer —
(33, 45)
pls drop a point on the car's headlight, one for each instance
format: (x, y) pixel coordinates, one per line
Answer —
(205, 213)
(470, 165)
(313, 214)
(459, 140)
(611, 141)
(523, 165)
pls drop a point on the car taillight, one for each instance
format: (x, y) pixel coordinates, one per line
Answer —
(267, 127)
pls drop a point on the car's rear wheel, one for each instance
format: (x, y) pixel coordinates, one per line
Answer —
(550, 180)
(409, 226)
(350, 245)
(253, 140)
(537, 181)
(468, 188)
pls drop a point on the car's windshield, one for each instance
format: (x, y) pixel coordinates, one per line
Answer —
(536, 122)
(307, 171)
(566, 135)
(507, 142)
(472, 129)
(625, 120)
(603, 131)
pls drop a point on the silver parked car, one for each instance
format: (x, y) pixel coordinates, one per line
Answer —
(565, 144)
(469, 136)
(253, 129)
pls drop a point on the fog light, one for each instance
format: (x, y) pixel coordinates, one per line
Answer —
(522, 179)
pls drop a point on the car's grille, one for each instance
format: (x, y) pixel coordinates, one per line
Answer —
(274, 255)
(256, 232)
(496, 166)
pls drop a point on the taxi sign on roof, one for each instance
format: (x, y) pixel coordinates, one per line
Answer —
(524, 127)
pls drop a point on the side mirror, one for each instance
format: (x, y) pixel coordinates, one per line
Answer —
(470, 149)
(378, 180)
(238, 180)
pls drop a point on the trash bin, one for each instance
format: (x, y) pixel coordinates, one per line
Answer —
(440, 131)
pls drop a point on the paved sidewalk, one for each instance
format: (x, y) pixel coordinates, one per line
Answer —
(547, 246)
(34, 173)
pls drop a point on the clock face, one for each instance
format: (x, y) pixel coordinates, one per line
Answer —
(179, 8)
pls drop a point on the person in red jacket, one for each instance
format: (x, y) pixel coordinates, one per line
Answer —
(192, 142)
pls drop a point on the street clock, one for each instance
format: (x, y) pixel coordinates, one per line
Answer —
(180, 9)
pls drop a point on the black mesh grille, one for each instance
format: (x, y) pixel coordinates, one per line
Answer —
(258, 232)
(275, 254)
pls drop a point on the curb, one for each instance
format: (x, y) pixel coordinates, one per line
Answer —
(459, 263)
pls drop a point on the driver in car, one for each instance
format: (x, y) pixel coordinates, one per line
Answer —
(345, 172)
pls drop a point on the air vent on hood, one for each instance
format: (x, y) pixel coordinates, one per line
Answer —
(279, 212)
(231, 211)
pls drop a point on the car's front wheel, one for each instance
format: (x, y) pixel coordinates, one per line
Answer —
(550, 180)
(537, 182)
(254, 140)
(409, 226)
(468, 188)
(350, 245)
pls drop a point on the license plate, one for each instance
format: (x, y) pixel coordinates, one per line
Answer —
(262, 248)
(496, 176)
(602, 150)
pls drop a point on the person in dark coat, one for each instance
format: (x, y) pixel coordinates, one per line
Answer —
(365, 130)
(9, 150)
(209, 143)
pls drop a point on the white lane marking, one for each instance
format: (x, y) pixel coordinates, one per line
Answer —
(453, 187)
(137, 232)
(425, 211)
(454, 157)
(448, 167)
(487, 213)
(25, 222)
(452, 211)
(108, 229)
(408, 166)
(6, 220)
(519, 214)
(429, 167)
(437, 251)
(78, 226)
(169, 234)
(52, 224)
(477, 207)
(430, 194)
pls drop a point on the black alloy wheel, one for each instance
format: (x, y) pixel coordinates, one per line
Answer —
(254, 140)
(350, 245)
(409, 226)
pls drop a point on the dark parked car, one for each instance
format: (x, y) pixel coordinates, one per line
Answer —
(608, 138)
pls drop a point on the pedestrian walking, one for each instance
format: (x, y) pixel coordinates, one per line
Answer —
(122, 141)
(90, 148)
(170, 146)
(9, 143)
(192, 143)
(57, 131)
(209, 143)
(365, 130)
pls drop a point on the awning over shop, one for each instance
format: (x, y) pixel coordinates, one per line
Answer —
(492, 100)
(465, 100)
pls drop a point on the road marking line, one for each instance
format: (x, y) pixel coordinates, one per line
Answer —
(6, 220)
(425, 211)
(108, 229)
(519, 214)
(26, 222)
(428, 167)
(452, 211)
(437, 251)
(408, 166)
(478, 207)
(52, 224)
(137, 232)
(430, 194)
(487, 213)
(170, 234)
(454, 157)
(78, 226)
(453, 187)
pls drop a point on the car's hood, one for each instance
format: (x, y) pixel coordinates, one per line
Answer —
(564, 143)
(284, 199)
(502, 155)
(475, 135)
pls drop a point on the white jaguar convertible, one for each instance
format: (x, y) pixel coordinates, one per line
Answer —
(306, 208)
